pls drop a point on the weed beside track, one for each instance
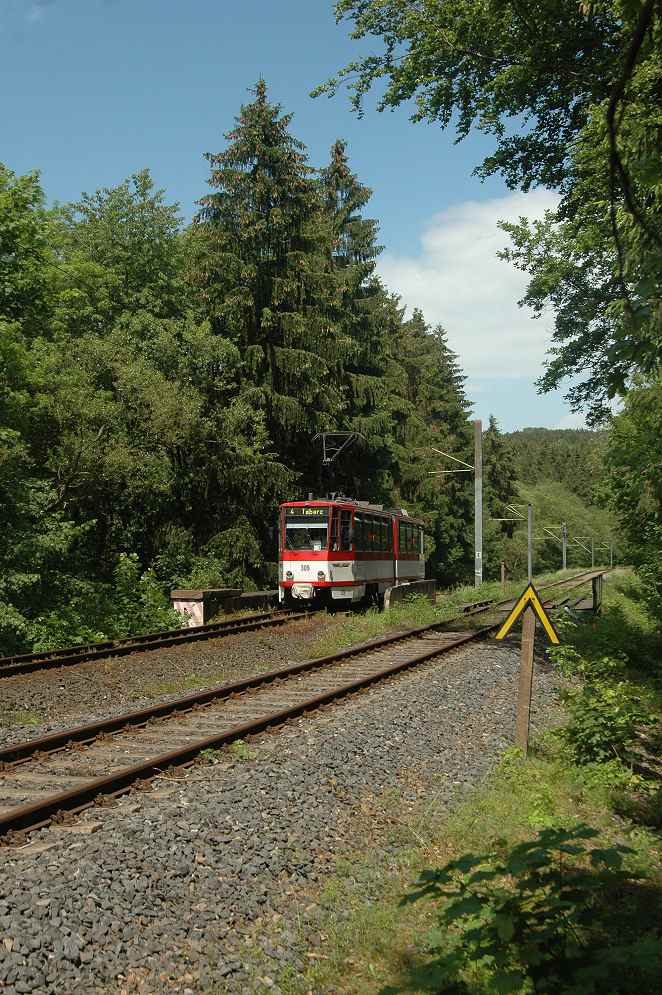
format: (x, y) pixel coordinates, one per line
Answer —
(374, 944)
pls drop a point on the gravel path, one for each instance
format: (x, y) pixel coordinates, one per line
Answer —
(44, 701)
(164, 895)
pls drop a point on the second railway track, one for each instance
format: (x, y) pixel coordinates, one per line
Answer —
(27, 663)
(70, 770)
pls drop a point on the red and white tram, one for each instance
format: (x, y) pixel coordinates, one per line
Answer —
(346, 550)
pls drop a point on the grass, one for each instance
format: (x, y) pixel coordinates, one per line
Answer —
(194, 681)
(21, 717)
(240, 750)
(210, 755)
(415, 611)
(190, 683)
(373, 945)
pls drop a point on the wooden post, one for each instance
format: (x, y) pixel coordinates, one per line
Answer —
(596, 584)
(525, 680)
(503, 574)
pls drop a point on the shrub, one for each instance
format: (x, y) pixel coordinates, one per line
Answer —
(602, 720)
(535, 920)
(571, 663)
(137, 603)
(649, 571)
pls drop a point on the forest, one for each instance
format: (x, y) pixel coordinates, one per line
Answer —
(162, 384)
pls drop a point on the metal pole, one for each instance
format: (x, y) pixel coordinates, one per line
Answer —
(478, 503)
(592, 554)
(529, 512)
(611, 555)
(565, 545)
(503, 573)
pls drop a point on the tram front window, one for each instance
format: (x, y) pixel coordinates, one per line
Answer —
(306, 528)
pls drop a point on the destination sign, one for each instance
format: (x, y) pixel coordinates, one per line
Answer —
(306, 513)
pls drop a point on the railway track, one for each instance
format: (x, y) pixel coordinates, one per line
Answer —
(27, 663)
(66, 772)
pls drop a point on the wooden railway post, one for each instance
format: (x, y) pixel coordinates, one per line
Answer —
(596, 584)
(503, 574)
(530, 606)
(523, 720)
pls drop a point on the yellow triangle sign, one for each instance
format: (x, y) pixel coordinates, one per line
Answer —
(529, 597)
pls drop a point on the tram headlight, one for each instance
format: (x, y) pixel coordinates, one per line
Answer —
(321, 575)
(289, 575)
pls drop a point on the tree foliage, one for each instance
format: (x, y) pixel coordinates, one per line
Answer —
(635, 484)
(570, 94)
(574, 457)
(161, 384)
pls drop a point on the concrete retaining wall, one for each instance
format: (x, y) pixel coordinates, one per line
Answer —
(400, 592)
(201, 606)
(252, 599)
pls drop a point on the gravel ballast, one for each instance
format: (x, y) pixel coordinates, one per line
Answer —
(162, 897)
(86, 692)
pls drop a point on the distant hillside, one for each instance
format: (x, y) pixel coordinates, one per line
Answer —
(573, 457)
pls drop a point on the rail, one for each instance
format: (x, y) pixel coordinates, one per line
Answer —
(29, 662)
(173, 733)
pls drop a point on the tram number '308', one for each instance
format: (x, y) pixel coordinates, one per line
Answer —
(305, 566)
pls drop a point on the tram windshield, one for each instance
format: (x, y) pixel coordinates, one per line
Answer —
(306, 528)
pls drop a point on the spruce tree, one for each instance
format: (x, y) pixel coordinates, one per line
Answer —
(261, 258)
(430, 411)
(363, 313)
(499, 471)
(499, 490)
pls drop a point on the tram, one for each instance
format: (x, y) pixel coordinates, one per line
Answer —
(345, 551)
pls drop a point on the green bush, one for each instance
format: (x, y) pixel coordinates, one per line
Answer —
(602, 720)
(230, 559)
(137, 602)
(649, 572)
(571, 663)
(537, 919)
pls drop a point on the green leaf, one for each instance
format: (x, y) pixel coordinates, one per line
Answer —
(505, 927)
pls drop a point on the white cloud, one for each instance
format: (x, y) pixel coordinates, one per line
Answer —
(35, 11)
(458, 280)
(573, 420)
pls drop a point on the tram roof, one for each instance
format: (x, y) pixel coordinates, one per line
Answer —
(351, 503)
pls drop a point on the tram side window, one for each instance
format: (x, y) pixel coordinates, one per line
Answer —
(335, 525)
(345, 528)
(358, 532)
(371, 535)
(374, 535)
(379, 535)
(408, 541)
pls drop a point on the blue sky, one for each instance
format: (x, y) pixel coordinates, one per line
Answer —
(93, 90)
